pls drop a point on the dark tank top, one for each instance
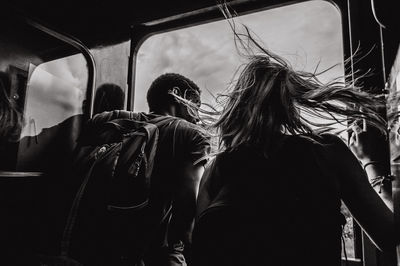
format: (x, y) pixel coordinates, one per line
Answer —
(276, 210)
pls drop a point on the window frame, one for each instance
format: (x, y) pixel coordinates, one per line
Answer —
(75, 43)
(353, 32)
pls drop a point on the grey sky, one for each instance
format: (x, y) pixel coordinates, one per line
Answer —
(55, 92)
(305, 34)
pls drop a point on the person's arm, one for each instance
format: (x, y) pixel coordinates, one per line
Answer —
(363, 146)
(183, 211)
(184, 205)
(192, 150)
(376, 219)
(204, 197)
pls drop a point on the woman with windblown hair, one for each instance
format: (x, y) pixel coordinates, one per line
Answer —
(273, 193)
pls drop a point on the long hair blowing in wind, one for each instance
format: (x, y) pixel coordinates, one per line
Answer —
(270, 97)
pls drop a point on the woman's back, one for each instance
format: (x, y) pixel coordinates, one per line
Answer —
(298, 187)
(280, 211)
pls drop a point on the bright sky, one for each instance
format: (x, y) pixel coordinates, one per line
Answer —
(305, 34)
(55, 92)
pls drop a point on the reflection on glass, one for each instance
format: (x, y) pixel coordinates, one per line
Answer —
(53, 112)
(50, 100)
(112, 65)
(44, 106)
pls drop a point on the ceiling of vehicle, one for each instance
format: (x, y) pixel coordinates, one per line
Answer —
(97, 23)
(102, 22)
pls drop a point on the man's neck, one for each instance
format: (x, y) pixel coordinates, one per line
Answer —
(169, 112)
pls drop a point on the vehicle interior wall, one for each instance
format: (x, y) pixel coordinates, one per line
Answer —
(49, 105)
(16, 57)
(41, 91)
(16, 194)
(26, 53)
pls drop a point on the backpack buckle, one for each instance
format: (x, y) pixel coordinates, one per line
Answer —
(100, 152)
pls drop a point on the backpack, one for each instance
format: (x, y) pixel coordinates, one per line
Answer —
(110, 221)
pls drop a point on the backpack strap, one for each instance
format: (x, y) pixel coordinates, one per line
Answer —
(73, 213)
(160, 121)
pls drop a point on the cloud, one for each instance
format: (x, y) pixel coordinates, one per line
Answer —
(305, 33)
(55, 92)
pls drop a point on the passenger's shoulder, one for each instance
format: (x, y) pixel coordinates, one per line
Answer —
(321, 139)
(331, 145)
(302, 140)
(185, 124)
(190, 127)
(330, 139)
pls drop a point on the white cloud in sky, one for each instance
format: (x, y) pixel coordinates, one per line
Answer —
(55, 92)
(71, 69)
(305, 34)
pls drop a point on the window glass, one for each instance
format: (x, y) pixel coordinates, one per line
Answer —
(111, 68)
(53, 111)
(306, 34)
(55, 92)
(43, 91)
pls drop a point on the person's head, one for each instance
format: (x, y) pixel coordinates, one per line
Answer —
(174, 94)
(108, 97)
(270, 98)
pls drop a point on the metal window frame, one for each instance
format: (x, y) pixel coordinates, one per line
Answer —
(352, 30)
(91, 83)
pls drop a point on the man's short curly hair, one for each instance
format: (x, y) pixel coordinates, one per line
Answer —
(158, 97)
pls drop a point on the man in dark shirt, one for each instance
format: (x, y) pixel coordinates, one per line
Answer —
(182, 151)
(179, 165)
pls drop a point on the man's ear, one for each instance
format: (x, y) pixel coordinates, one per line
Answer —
(175, 91)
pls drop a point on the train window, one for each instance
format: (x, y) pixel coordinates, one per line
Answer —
(307, 34)
(43, 88)
(53, 111)
(112, 65)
